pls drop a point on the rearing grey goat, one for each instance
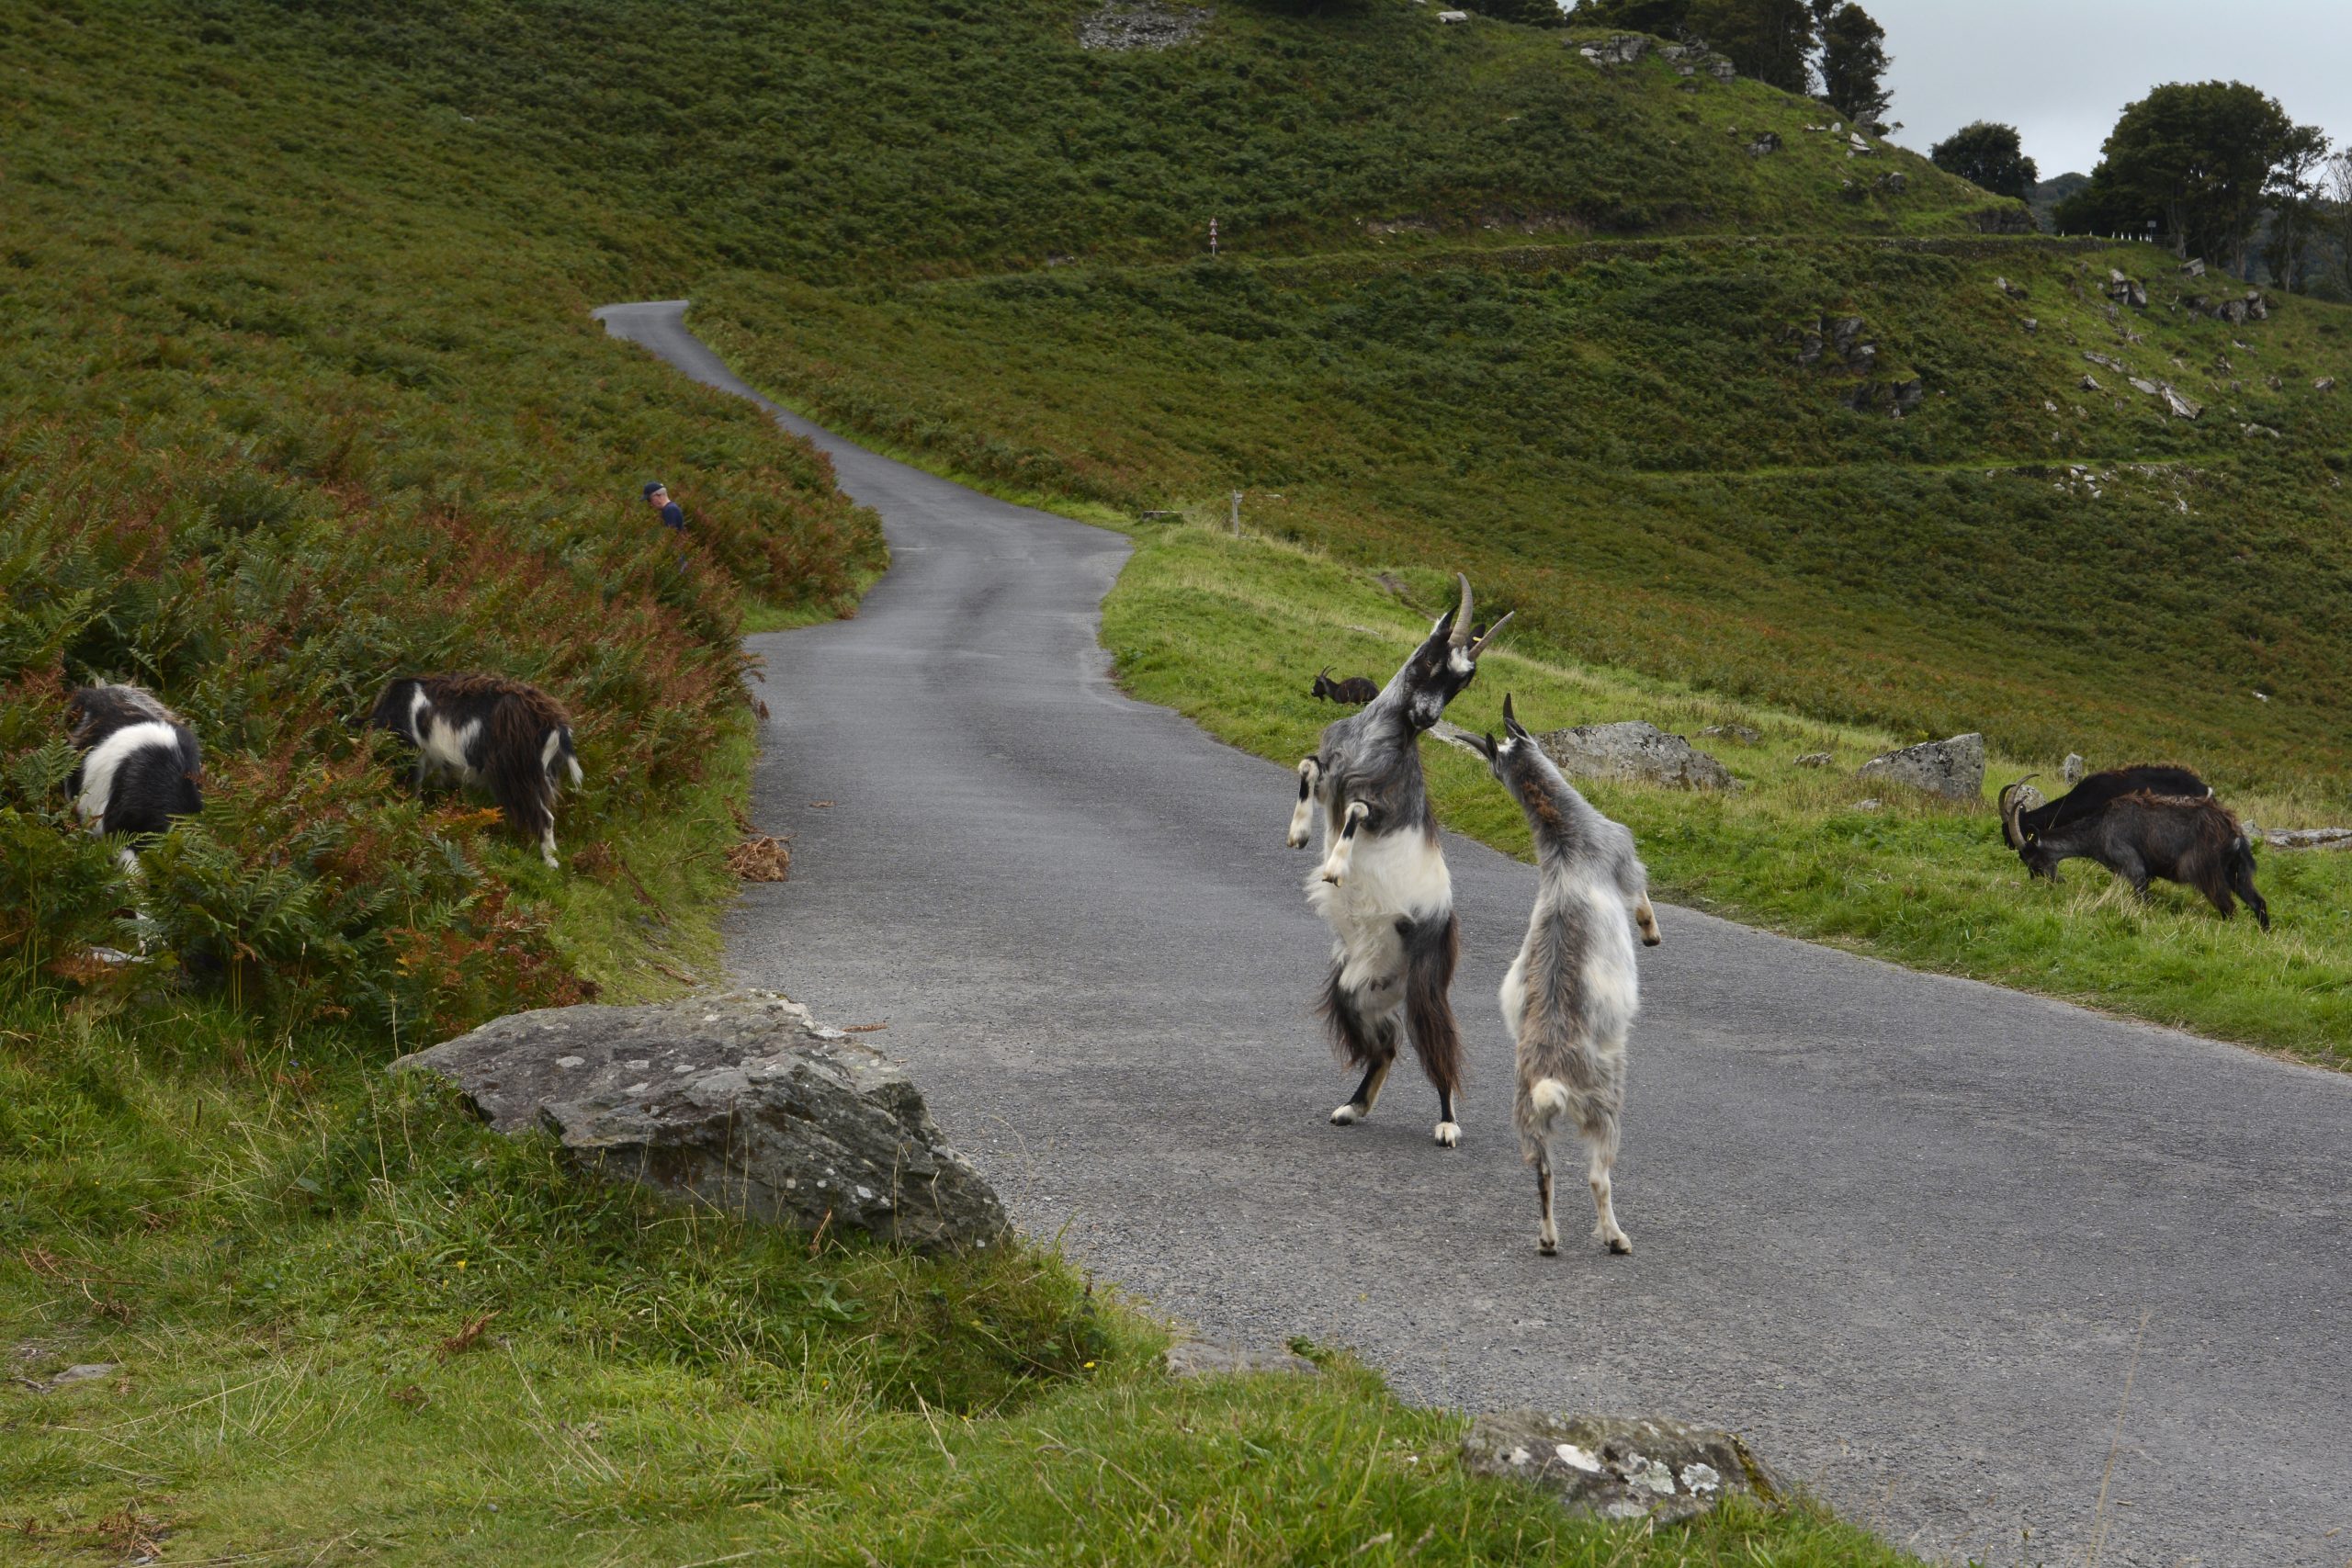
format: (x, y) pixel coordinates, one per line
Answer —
(1570, 996)
(1382, 886)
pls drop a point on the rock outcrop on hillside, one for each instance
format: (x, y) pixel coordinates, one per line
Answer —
(740, 1101)
(1141, 24)
(1954, 769)
(1637, 752)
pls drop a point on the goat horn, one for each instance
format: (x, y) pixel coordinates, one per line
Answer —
(1510, 719)
(1325, 670)
(2011, 809)
(1485, 642)
(1462, 616)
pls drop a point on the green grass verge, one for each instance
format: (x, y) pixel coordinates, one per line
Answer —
(1228, 632)
(347, 1324)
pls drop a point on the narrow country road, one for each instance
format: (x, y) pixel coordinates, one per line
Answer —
(1900, 1230)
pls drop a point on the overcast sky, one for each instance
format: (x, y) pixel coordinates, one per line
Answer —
(2061, 69)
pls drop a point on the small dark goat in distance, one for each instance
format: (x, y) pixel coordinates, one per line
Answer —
(487, 729)
(2193, 841)
(1354, 689)
(140, 765)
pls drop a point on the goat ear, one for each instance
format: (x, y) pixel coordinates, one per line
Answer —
(1487, 743)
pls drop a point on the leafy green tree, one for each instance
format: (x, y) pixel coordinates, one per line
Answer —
(1771, 41)
(2293, 191)
(2199, 159)
(2336, 210)
(1663, 18)
(1853, 61)
(1534, 13)
(1988, 153)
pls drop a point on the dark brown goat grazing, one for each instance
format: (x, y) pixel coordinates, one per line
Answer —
(487, 729)
(2091, 796)
(1354, 689)
(2193, 841)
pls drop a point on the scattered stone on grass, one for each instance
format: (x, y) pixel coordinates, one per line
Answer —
(1142, 23)
(1635, 751)
(2302, 838)
(1619, 1467)
(740, 1101)
(1738, 732)
(87, 1371)
(1954, 769)
(1204, 1359)
(2072, 769)
(1817, 760)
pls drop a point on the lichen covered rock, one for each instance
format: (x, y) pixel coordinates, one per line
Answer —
(740, 1101)
(1619, 1467)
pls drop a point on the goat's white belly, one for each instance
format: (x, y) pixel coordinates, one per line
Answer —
(1513, 995)
(1611, 978)
(446, 744)
(1390, 875)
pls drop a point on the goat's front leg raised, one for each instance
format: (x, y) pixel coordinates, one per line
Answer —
(1343, 848)
(1310, 773)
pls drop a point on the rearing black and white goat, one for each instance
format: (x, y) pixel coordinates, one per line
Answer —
(487, 729)
(1571, 994)
(1382, 886)
(140, 764)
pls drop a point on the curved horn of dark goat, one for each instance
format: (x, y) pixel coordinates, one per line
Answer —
(1481, 646)
(2011, 811)
(1510, 719)
(1461, 633)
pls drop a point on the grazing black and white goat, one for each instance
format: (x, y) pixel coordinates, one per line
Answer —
(1382, 886)
(513, 738)
(2194, 841)
(1354, 689)
(1571, 994)
(140, 764)
(2089, 797)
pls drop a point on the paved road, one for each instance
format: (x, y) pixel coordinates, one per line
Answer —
(1900, 1230)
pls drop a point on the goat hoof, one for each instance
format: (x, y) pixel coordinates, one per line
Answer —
(1620, 1246)
(1348, 1115)
(1548, 1248)
(1449, 1134)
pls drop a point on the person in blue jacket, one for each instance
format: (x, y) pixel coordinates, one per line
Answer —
(657, 496)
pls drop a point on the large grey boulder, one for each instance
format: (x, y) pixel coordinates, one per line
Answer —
(740, 1101)
(1954, 769)
(1635, 751)
(1619, 1467)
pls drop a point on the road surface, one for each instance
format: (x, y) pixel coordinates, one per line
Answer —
(1900, 1230)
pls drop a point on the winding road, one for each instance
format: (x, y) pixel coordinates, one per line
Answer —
(1913, 1236)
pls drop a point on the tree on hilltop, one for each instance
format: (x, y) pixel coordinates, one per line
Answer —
(1771, 41)
(2294, 192)
(1988, 153)
(2197, 160)
(1854, 60)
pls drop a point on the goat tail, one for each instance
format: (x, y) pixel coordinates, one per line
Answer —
(1550, 1100)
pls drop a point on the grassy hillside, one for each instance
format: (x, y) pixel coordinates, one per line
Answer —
(1620, 440)
(905, 138)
